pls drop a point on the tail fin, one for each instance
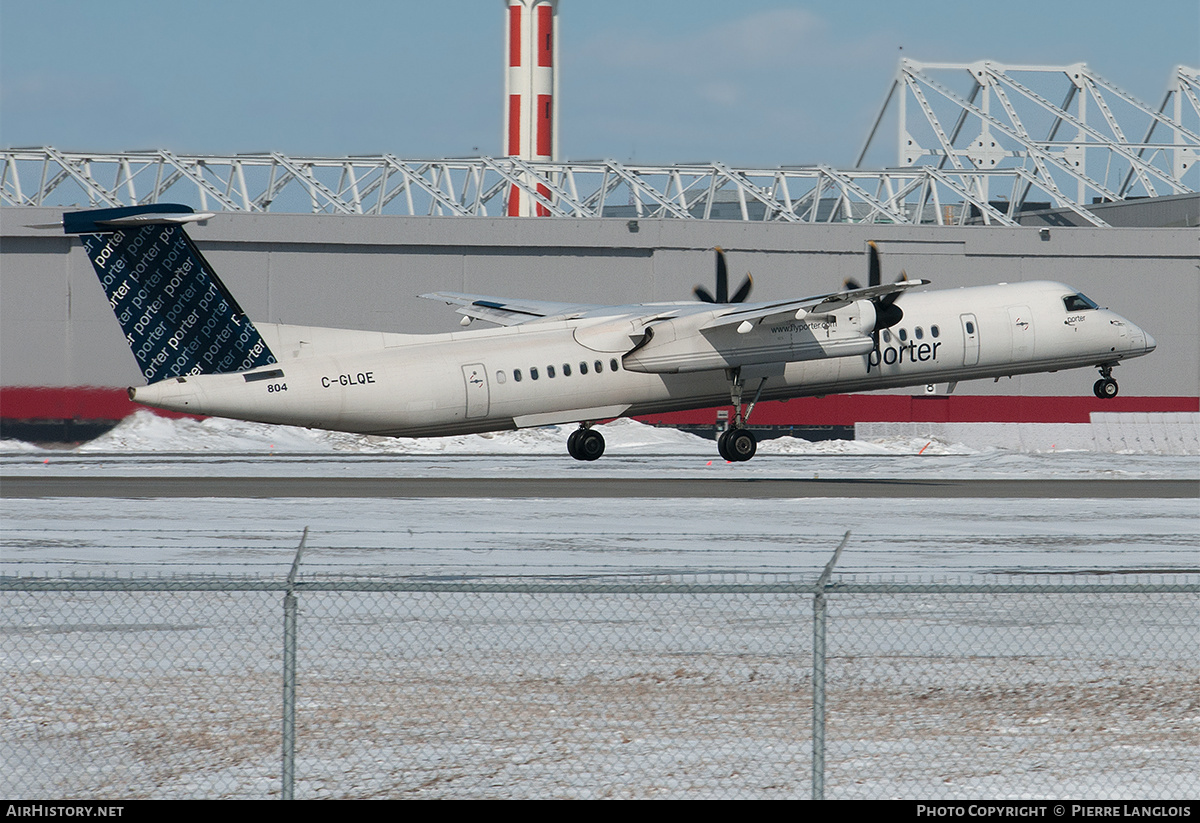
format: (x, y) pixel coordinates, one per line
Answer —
(177, 315)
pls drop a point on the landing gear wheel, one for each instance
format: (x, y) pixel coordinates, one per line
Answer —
(1105, 388)
(723, 445)
(737, 445)
(588, 444)
(573, 444)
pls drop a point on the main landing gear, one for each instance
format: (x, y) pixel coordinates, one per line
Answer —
(737, 443)
(1105, 388)
(585, 443)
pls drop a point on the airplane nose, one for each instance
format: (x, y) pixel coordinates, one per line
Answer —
(1150, 344)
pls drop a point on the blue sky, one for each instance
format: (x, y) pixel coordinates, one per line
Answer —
(746, 83)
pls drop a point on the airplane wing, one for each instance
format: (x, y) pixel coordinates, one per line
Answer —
(506, 312)
(510, 312)
(798, 309)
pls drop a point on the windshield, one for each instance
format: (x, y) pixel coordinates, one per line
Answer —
(1078, 302)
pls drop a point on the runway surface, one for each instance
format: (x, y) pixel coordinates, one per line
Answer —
(189, 502)
(576, 487)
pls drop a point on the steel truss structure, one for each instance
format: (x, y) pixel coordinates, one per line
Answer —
(1088, 151)
(985, 168)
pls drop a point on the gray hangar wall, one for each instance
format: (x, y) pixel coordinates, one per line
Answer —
(56, 328)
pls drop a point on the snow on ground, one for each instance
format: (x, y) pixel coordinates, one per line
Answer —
(470, 696)
(147, 444)
(606, 537)
(601, 536)
(144, 432)
(478, 695)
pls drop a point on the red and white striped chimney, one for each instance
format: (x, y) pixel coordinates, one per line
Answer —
(530, 85)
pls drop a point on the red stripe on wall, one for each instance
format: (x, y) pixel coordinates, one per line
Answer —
(545, 36)
(92, 403)
(514, 36)
(514, 125)
(70, 403)
(544, 143)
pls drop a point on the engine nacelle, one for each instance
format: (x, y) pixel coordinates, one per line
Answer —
(682, 345)
(867, 316)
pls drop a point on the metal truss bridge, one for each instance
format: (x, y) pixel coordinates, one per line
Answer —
(977, 143)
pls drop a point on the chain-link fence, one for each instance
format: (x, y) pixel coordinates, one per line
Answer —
(522, 688)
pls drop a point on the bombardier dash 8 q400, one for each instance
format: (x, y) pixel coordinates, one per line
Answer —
(553, 363)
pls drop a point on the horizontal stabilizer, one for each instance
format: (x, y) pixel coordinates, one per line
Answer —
(101, 220)
(508, 312)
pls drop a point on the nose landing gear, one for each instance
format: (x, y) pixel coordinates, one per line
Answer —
(1105, 388)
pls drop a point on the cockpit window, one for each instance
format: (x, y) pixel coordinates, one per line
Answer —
(1077, 302)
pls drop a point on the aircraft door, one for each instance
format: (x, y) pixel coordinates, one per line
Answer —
(970, 327)
(475, 381)
(1021, 324)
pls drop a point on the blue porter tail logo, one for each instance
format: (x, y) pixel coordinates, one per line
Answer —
(177, 316)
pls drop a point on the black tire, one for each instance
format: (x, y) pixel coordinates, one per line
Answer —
(722, 442)
(741, 445)
(1107, 389)
(573, 444)
(590, 444)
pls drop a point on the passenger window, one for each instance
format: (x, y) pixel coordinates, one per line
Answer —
(549, 371)
(612, 364)
(970, 327)
(934, 331)
(583, 368)
(566, 369)
(517, 375)
(887, 336)
(500, 377)
(533, 375)
(903, 335)
(918, 333)
(599, 366)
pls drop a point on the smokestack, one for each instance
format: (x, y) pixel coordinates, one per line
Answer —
(530, 86)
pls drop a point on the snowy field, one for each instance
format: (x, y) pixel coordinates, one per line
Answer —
(621, 695)
(632, 536)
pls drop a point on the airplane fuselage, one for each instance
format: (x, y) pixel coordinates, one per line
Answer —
(573, 371)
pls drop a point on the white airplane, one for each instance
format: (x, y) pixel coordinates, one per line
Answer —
(560, 363)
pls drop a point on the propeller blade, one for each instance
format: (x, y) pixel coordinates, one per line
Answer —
(722, 277)
(850, 284)
(873, 278)
(743, 290)
(887, 313)
(722, 295)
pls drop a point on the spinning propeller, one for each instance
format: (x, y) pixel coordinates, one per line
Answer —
(887, 313)
(723, 285)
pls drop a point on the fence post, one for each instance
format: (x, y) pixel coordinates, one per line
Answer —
(288, 773)
(818, 720)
